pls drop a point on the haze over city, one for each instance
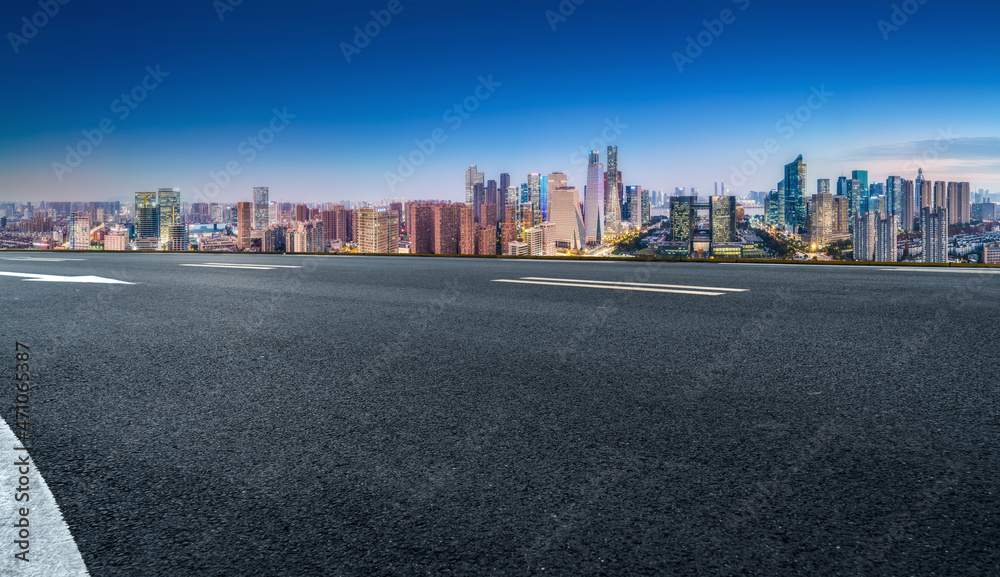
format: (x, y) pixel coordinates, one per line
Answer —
(686, 90)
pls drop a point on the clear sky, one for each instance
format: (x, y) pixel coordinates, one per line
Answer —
(560, 78)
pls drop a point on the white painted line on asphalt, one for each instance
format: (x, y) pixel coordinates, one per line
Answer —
(51, 548)
(54, 278)
(614, 287)
(958, 270)
(37, 259)
(234, 266)
(246, 264)
(672, 286)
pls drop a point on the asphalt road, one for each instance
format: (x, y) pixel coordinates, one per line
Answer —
(409, 416)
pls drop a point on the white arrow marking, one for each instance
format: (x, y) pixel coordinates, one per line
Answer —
(54, 278)
(51, 548)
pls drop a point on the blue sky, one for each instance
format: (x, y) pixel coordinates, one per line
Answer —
(926, 89)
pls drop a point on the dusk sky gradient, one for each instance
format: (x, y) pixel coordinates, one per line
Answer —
(890, 99)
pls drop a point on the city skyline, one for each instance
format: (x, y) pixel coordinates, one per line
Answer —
(879, 97)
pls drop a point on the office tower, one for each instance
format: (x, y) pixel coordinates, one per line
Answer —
(79, 231)
(503, 193)
(907, 204)
(445, 229)
(513, 198)
(261, 208)
(885, 238)
(795, 195)
(533, 238)
(859, 203)
(776, 207)
(592, 199)
(548, 238)
(570, 231)
(934, 228)
(647, 210)
(301, 213)
(543, 196)
(535, 190)
(823, 186)
(940, 194)
(177, 237)
(864, 237)
(169, 201)
(682, 218)
(549, 183)
(959, 203)
(478, 199)
(491, 192)
(894, 195)
(147, 221)
(634, 195)
(472, 178)
(466, 229)
(841, 215)
(862, 177)
(723, 217)
(612, 200)
(524, 197)
(820, 219)
(485, 241)
(244, 219)
(378, 230)
(921, 199)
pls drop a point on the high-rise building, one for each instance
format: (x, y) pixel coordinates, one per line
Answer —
(864, 237)
(478, 200)
(421, 231)
(177, 237)
(823, 186)
(485, 241)
(862, 177)
(570, 231)
(959, 203)
(466, 229)
(535, 190)
(301, 213)
(503, 194)
(548, 238)
(115, 240)
(147, 221)
(378, 230)
(918, 190)
(592, 199)
(169, 201)
(940, 194)
(261, 208)
(682, 218)
(776, 207)
(647, 210)
(79, 231)
(244, 219)
(634, 195)
(842, 215)
(934, 228)
(472, 178)
(885, 239)
(907, 206)
(820, 219)
(445, 229)
(894, 196)
(795, 194)
(723, 216)
(612, 200)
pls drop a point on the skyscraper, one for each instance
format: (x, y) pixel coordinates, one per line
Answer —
(612, 202)
(244, 219)
(940, 194)
(776, 207)
(885, 239)
(894, 195)
(169, 201)
(959, 203)
(918, 189)
(823, 186)
(147, 221)
(472, 178)
(906, 222)
(79, 231)
(592, 199)
(503, 194)
(378, 230)
(723, 215)
(565, 214)
(862, 177)
(466, 229)
(820, 219)
(535, 190)
(682, 218)
(934, 228)
(261, 219)
(864, 237)
(177, 237)
(795, 194)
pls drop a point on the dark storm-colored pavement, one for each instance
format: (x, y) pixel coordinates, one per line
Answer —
(409, 416)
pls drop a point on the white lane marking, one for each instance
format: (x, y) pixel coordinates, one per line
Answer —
(958, 270)
(36, 259)
(51, 548)
(229, 266)
(263, 265)
(672, 286)
(613, 287)
(54, 278)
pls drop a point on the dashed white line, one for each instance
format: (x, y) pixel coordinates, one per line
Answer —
(613, 287)
(638, 284)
